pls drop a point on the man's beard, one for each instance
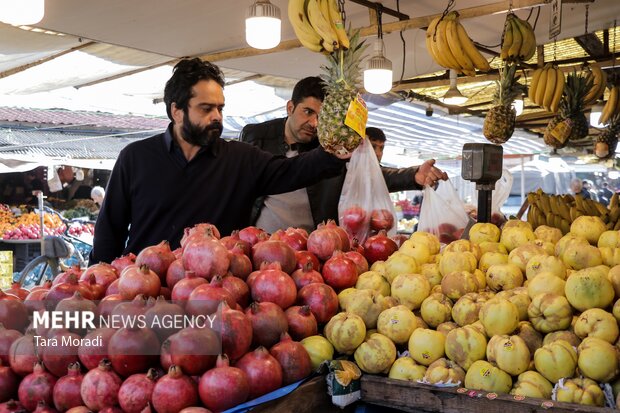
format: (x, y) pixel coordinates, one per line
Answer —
(199, 135)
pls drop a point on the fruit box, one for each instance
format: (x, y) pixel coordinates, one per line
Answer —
(417, 398)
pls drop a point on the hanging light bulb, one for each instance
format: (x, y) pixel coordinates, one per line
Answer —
(22, 12)
(378, 73)
(453, 96)
(595, 115)
(263, 25)
(518, 105)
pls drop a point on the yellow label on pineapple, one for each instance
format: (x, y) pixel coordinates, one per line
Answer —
(357, 116)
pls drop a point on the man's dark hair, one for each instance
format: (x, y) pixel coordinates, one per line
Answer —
(375, 134)
(185, 75)
(308, 87)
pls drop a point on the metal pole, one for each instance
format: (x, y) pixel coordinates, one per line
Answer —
(42, 220)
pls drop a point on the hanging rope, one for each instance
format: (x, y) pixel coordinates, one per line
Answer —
(343, 15)
(447, 10)
(379, 20)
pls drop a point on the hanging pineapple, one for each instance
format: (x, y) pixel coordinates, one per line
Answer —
(570, 123)
(342, 77)
(499, 123)
(607, 141)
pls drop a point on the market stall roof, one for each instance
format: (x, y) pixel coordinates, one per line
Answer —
(130, 46)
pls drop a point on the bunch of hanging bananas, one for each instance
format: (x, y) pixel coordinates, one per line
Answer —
(559, 211)
(318, 24)
(449, 45)
(612, 106)
(546, 87)
(519, 40)
(599, 83)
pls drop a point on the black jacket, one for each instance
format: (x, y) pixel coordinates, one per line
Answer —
(323, 196)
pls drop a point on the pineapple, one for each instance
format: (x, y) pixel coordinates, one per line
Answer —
(570, 123)
(342, 77)
(499, 123)
(606, 142)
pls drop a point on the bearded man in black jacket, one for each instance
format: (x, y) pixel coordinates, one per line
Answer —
(295, 134)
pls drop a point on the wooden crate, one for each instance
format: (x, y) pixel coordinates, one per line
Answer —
(418, 398)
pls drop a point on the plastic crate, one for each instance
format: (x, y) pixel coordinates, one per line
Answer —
(25, 252)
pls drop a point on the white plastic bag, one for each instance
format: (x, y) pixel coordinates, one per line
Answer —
(365, 206)
(443, 213)
(501, 193)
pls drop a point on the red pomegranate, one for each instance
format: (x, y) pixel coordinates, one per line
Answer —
(100, 387)
(7, 337)
(66, 392)
(304, 257)
(194, 349)
(205, 298)
(274, 285)
(323, 241)
(42, 407)
(206, 256)
(104, 274)
(301, 322)
(342, 233)
(65, 290)
(292, 238)
(306, 275)
(359, 260)
(158, 258)
(112, 288)
(108, 304)
(98, 291)
(233, 240)
(195, 410)
(13, 312)
(9, 382)
(184, 287)
(121, 262)
(12, 406)
(322, 300)
(36, 299)
(339, 272)
(36, 386)
(268, 323)
(263, 371)
(293, 359)
(174, 392)
(237, 288)
(175, 273)
(165, 358)
(133, 350)
(138, 280)
(57, 358)
(252, 235)
(274, 251)
(240, 264)
(201, 230)
(353, 219)
(80, 305)
(135, 392)
(17, 290)
(97, 349)
(157, 314)
(236, 332)
(23, 355)
(62, 277)
(381, 219)
(379, 247)
(224, 386)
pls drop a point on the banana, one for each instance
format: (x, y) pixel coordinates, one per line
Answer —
(335, 18)
(531, 93)
(303, 29)
(613, 202)
(528, 45)
(456, 48)
(599, 78)
(472, 52)
(442, 43)
(431, 42)
(560, 81)
(542, 85)
(321, 25)
(507, 41)
(549, 89)
(564, 210)
(517, 41)
(579, 204)
(610, 106)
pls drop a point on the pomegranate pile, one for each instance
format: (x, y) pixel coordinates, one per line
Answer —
(263, 300)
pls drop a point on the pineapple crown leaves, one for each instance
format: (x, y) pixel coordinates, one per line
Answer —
(344, 65)
(577, 86)
(508, 86)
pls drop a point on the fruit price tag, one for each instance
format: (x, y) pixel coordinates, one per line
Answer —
(357, 116)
